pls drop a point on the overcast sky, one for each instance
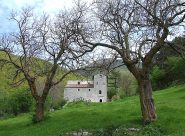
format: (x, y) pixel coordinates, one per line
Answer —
(49, 6)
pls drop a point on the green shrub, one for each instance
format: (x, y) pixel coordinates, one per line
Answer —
(121, 95)
(48, 103)
(20, 102)
(3, 103)
(111, 92)
(78, 103)
(13, 104)
(157, 73)
(63, 102)
(122, 83)
(176, 67)
(156, 76)
(172, 73)
(115, 97)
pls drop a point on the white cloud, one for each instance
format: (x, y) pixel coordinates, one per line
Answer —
(40, 6)
(21, 3)
(49, 6)
(55, 5)
(17, 4)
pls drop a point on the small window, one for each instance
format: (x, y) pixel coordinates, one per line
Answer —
(100, 92)
(78, 89)
(100, 100)
(100, 76)
(97, 83)
(89, 90)
(78, 83)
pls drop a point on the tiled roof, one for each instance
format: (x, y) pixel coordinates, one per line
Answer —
(79, 86)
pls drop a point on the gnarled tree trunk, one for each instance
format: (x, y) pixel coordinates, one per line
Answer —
(39, 112)
(146, 101)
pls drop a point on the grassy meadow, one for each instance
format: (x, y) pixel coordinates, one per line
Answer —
(170, 109)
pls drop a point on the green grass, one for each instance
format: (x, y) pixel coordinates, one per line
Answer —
(170, 105)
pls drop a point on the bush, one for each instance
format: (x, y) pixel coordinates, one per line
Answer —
(121, 95)
(20, 102)
(157, 75)
(170, 75)
(111, 92)
(63, 102)
(3, 103)
(54, 106)
(115, 97)
(13, 104)
(121, 83)
(176, 66)
(78, 103)
(48, 104)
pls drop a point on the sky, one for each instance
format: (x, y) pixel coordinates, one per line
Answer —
(40, 6)
(48, 6)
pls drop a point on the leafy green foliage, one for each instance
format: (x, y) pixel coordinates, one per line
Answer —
(13, 104)
(173, 73)
(169, 66)
(125, 85)
(157, 73)
(21, 102)
(156, 76)
(3, 103)
(111, 92)
(176, 68)
(63, 102)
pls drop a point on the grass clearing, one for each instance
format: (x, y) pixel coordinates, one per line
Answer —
(170, 105)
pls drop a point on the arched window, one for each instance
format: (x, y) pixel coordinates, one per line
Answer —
(100, 100)
(78, 83)
(100, 92)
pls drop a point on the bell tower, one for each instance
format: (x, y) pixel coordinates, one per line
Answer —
(100, 87)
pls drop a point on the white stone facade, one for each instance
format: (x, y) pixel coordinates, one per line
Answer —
(94, 91)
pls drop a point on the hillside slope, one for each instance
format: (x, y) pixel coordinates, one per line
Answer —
(170, 108)
(7, 73)
(6, 77)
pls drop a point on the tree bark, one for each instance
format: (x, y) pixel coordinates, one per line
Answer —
(39, 112)
(146, 101)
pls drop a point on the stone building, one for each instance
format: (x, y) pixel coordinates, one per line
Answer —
(94, 91)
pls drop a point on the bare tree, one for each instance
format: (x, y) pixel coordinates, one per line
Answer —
(42, 48)
(136, 30)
